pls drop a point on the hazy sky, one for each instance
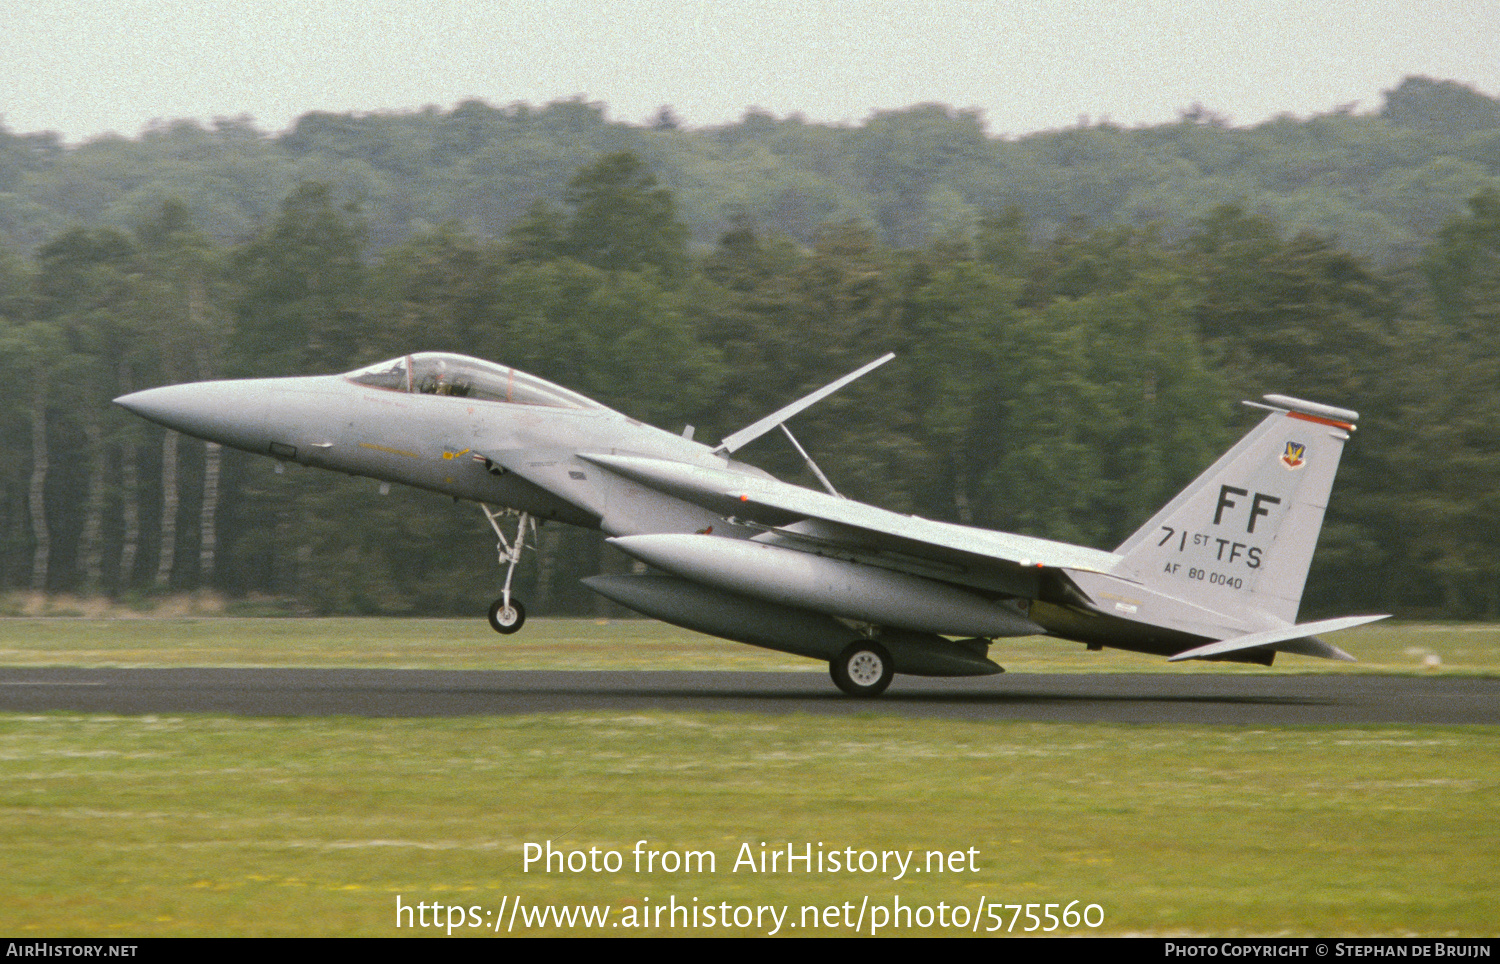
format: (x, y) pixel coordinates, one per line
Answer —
(84, 67)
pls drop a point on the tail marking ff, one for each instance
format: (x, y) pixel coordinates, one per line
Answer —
(1240, 538)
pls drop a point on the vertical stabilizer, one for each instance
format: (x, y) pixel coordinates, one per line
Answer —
(1241, 536)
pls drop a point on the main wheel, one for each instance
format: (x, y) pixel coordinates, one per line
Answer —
(507, 619)
(862, 669)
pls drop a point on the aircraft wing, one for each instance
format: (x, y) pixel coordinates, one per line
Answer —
(842, 528)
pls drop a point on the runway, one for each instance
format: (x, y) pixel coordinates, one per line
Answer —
(1194, 698)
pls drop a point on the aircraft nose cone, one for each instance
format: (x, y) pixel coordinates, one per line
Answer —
(221, 412)
(161, 405)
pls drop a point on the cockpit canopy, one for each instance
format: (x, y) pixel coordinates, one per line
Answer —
(459, 376)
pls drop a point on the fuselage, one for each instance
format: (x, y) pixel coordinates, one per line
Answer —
(452, 425)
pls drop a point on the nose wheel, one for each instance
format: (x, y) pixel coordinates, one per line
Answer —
(507, 618)
(507, 615)
(863, 669)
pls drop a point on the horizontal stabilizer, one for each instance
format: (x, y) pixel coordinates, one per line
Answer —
(1293, 639)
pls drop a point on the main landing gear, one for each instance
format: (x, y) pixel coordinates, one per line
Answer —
(507, 615)
(863, 669)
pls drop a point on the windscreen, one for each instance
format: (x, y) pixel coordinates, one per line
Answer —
(458, 376)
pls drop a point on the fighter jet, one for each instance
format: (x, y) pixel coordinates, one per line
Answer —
(1217, 574)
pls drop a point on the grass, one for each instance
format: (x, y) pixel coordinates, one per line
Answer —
(215, 826)
(629, 644)
(207, 825)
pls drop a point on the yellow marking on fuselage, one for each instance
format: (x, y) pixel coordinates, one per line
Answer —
(383, 448)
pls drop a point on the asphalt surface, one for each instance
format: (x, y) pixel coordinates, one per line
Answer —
(1083, 698)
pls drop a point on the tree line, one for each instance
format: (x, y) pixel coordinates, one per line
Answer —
(1382, 181)
(1063, 385)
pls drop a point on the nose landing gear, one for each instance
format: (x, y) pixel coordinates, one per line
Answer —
(507, 618)
(507, 615)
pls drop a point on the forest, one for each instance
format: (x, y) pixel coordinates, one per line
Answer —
(1077, 315)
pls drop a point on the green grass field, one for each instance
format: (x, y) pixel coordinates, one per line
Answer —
(183, 825)
(630, 644)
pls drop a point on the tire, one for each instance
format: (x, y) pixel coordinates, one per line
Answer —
(506, 620)
(863, 669)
